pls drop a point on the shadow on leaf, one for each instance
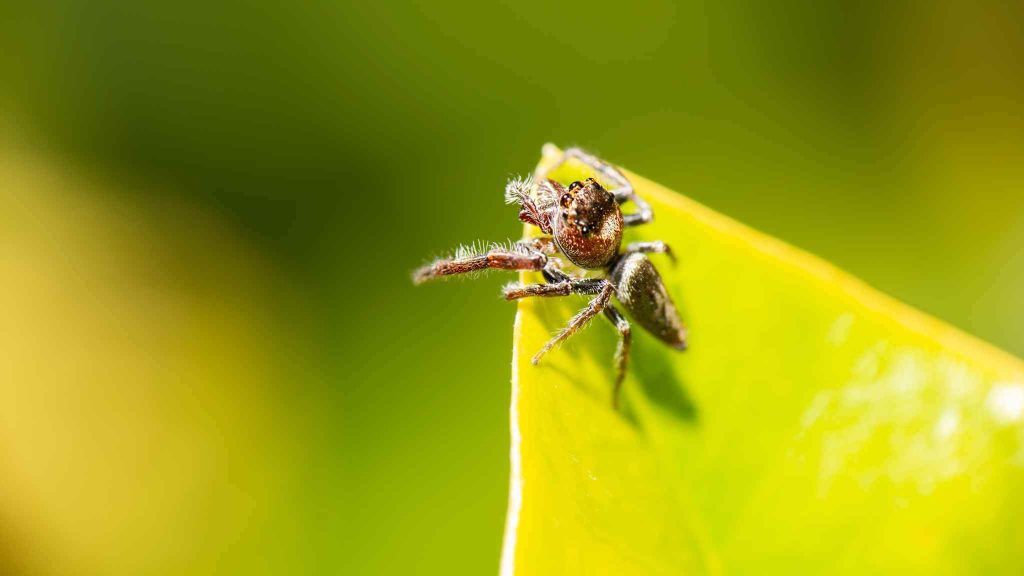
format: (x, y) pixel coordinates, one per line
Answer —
(652, 370)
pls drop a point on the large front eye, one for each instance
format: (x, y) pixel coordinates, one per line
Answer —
(566, 200)
(575, 186)
(585, 230)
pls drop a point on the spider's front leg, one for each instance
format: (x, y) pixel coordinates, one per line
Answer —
(561, 284)
(620, 186)
(601, 288)
(518, 256)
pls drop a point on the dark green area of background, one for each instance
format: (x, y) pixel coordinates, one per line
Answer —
(350, 141)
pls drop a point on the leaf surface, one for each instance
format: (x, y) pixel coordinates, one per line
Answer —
(815, 425)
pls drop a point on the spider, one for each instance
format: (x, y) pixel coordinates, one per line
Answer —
(583, 222)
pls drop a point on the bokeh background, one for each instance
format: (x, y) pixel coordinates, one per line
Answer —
(211, 357)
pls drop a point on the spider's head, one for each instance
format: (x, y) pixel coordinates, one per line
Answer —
(587, 224)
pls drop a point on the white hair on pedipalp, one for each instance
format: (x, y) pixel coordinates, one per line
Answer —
(518, 189)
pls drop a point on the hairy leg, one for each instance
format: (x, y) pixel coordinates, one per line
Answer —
(562, 285)
(621, 351)
(620, 186)
(519, 256)
(654, 247)
(559, 285)
(579, 320)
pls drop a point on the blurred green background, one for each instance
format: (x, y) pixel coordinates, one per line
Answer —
(213, 359)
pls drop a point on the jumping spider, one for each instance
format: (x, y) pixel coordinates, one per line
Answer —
(583, 221)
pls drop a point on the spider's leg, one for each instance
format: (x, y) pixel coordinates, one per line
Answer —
(518, 256)
(580, 319)
(621, 351)
(620, 188)
(654, 247)
(560, 284)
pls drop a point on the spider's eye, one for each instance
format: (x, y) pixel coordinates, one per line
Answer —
(585, 230)
(575, 185)
(566, 200)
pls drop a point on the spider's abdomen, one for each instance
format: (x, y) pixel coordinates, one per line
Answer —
(640, 289)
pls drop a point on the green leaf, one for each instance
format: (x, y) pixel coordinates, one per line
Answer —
(814, 425)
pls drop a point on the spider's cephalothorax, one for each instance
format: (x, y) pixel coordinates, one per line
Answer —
(588, 225)
(585, 224)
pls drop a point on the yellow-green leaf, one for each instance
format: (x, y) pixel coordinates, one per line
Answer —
(814, 426)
